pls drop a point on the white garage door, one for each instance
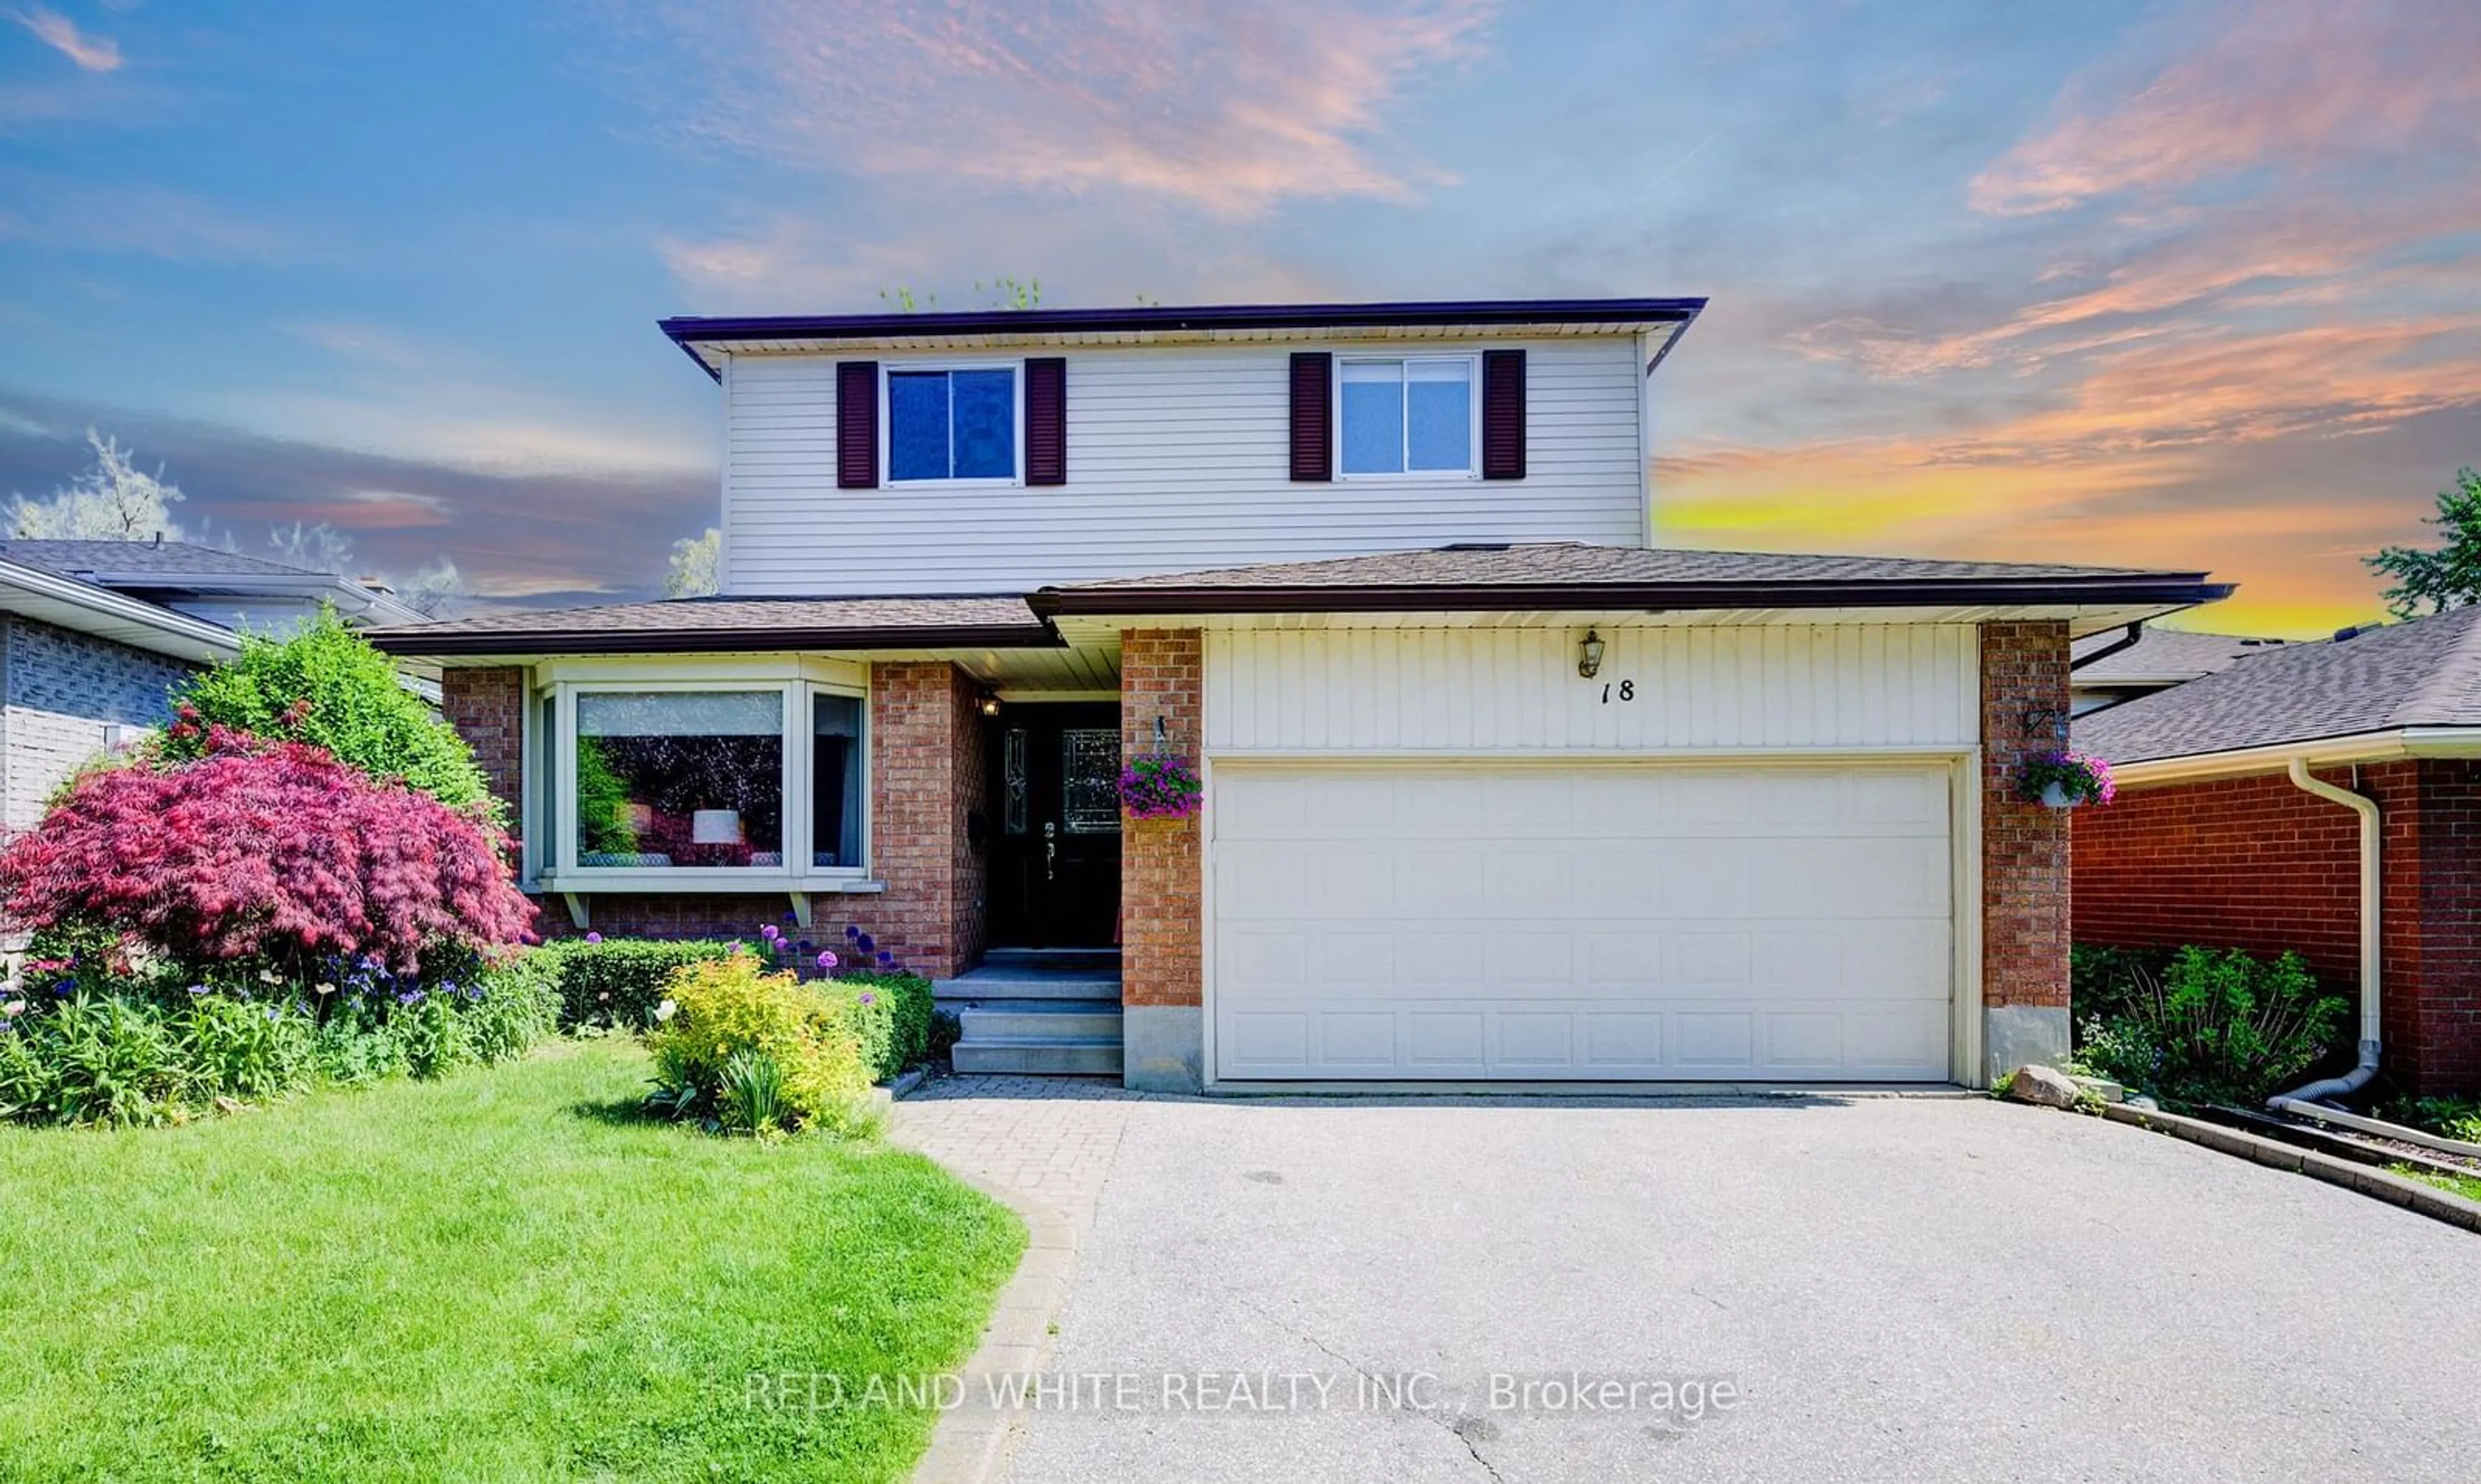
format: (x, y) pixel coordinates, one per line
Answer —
(1560, 921)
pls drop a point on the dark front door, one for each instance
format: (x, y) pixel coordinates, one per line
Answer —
(1056, 857)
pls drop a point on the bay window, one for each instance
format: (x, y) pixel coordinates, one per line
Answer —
(653, 779)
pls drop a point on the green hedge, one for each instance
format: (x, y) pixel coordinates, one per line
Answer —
(893, 1013)
(618, 982)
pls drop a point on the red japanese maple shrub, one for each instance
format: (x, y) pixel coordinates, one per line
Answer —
(266, 850)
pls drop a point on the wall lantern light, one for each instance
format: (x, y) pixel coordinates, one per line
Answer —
(989, 704)
(1589, 655)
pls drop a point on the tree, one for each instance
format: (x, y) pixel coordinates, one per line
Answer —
(437, 590)
(113, 501)
(696, 566)
(2449, 577)
(266, 850)
(319, 548)
(326, 686)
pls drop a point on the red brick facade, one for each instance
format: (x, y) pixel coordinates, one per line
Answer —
(2257, 864)
(1161, 901)
(927, 775)
(488, 708)
(2023, 846)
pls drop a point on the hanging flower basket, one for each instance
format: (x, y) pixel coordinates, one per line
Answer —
(1161, 786)
(2064, 780)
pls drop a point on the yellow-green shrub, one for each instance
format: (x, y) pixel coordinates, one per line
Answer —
(733, 1008)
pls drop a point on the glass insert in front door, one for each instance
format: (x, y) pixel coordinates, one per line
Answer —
(1089, 780)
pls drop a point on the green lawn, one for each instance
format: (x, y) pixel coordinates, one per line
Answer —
(503, 1276)
(2467, 1186)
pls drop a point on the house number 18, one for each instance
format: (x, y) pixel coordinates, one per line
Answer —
(1627, 691)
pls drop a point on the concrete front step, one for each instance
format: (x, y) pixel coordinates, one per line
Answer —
(1029, 1055)
(990, 984)
(1057, 1019)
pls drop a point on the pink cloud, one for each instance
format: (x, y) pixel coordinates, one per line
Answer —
(93, 53)
(1230, 107)
(2287, 86)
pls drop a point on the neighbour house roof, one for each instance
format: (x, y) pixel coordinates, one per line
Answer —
(721, 625)
(1572, 575)
(68, 602)
(707, 340)
(2424, 673)
(173, 572)
(166, 558)
(2163, 656)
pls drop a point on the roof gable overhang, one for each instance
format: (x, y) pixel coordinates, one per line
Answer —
(710, 340)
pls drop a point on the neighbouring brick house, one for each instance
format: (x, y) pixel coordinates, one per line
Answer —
(2212, 841)
(1493, 787)
(95, 634)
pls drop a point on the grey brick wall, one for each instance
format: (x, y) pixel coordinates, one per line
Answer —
(64, 692)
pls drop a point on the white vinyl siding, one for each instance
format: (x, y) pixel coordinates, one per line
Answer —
(1825, 687)
(1178, 460)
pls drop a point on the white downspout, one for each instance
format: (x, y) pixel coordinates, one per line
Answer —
(2371, 946)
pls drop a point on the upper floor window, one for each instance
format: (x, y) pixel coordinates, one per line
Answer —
(1407, 415)
(960, 423)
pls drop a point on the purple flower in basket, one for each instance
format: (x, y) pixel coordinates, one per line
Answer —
(1161, 786)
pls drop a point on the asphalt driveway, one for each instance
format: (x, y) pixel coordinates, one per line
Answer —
(1870, 1288)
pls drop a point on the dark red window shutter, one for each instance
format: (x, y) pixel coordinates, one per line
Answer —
(857, 424)
(1502, 414)
(1045, 420)
(1313, 415)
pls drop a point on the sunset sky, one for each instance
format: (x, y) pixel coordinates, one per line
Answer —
(2196, 286)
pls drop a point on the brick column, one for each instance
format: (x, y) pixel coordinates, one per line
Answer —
(924, 779)
(488, 708)
(1161, 901)
(2025, 892)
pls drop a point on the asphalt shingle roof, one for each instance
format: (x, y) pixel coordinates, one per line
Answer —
(692, 624)
(2162, 653)
(167, 559)
(2423, 673)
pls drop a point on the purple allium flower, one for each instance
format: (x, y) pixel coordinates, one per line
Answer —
(826, 960)
(594, 937)
(771, 932)
(864, 943)
(885, 957)
(851, 931)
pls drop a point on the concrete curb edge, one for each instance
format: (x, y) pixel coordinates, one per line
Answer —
(2368, 1180)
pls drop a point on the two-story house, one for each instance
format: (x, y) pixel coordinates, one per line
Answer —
(1493, 787)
